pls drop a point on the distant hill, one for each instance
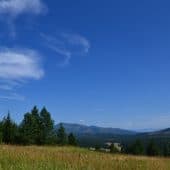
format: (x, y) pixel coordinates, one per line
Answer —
(157, 134)
(91, 130)
(161, 132)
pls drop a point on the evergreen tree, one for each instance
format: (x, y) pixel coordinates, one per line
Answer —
(1, 126)
(97, 147)
(72, 140)
(36, 125)
(137, 148)
(61, 135)
(9, 130)
(30, 128)
(26, 130)
(152, 149)
(47, 126)
(166, 149)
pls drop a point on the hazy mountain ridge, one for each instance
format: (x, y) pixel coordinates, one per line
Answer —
(159, 133)
(83, 129)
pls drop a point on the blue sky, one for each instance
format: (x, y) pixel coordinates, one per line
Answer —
(102, 63)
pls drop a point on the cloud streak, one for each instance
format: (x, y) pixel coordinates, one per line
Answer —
(12, 96)
(10, 10)
(14, 8)
(78, 41)
(67, 45)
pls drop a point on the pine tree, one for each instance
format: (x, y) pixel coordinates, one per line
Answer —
(152, 149)
(26, 130)
(1, 126)
(47, 126)
(61, 135)
(166, 149)
(30, 128)
(72, 140)
(137, 148)
(9, 130)
(36, 125)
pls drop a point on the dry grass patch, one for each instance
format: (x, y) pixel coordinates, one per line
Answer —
(70, 158)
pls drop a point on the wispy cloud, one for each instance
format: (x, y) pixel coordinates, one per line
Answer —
(78, 41)
(67, 45)
(14, 8)
(9, 85)
(12, 96)
(10, 10)
(16, 67)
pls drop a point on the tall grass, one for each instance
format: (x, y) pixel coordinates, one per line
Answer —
(69, 158)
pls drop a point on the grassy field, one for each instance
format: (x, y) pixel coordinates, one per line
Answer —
(68, 158)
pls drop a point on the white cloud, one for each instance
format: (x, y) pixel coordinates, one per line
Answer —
(17, 67)
(14, 8)
(67, 45)
(20, 64)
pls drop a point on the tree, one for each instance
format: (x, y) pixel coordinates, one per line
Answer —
(9, 130)
(61, 135)
(137, 148)
(1, 126)
(30, 128)
(26, 130)
(47, 126)
(97, 147)
(72, 140)
(36, 125)
(166, 149)
(152, 149)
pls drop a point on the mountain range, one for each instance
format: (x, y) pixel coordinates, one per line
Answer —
(83, 129)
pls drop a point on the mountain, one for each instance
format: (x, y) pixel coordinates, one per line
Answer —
(91, 130)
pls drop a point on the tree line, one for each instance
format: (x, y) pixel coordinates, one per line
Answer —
(36, 128)
(149, 148)
(141, 147)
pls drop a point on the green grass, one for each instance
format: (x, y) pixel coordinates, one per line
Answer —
(69, 158)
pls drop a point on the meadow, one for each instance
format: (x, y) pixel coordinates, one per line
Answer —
(70, 158)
